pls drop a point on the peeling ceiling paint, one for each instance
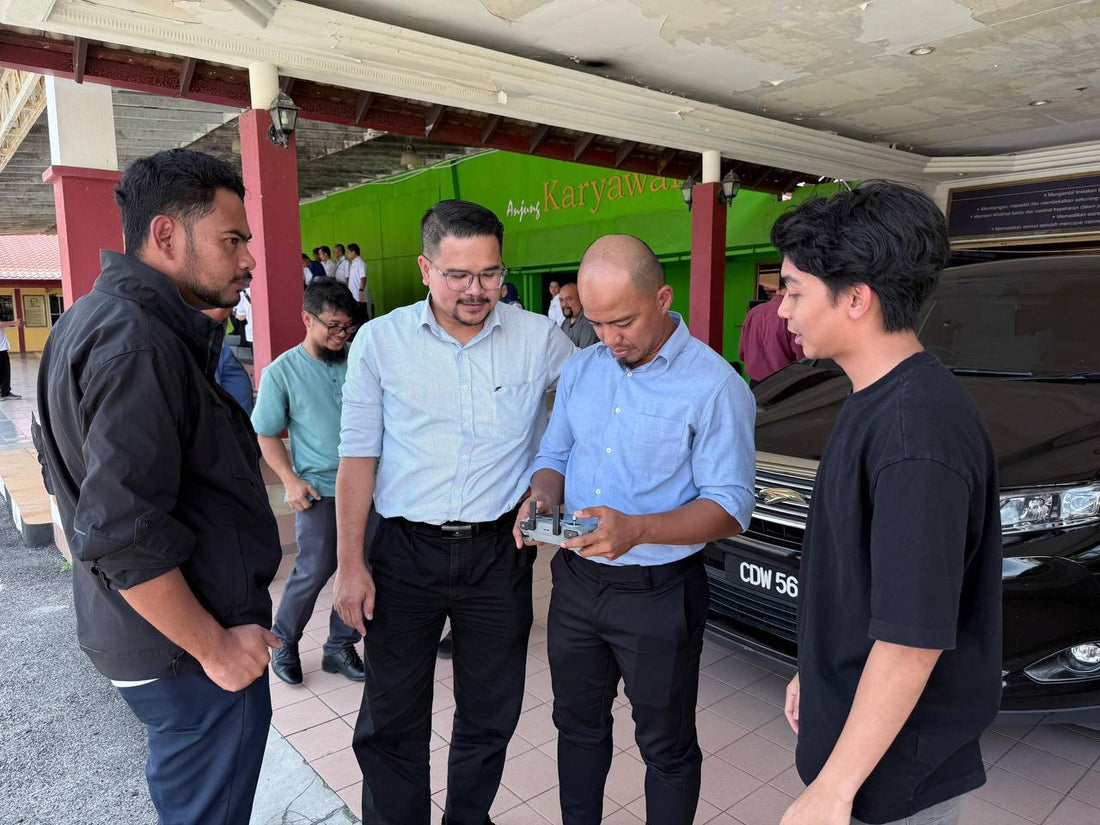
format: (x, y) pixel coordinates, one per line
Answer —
(833, 65)
(511, 11)
(902, 24)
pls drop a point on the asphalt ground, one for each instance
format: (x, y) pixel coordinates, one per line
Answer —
(71, 752)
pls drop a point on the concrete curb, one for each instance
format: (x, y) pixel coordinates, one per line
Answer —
(291, 793)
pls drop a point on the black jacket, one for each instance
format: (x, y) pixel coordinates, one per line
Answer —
(154, 467)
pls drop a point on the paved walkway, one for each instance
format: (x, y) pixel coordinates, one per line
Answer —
(1036, 774)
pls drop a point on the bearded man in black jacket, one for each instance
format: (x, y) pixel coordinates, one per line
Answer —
(157, 479)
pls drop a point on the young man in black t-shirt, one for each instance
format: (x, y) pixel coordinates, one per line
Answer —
(899, 626)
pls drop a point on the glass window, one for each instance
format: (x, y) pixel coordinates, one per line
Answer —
(7, 308)
(57, 306)
(1041, 323)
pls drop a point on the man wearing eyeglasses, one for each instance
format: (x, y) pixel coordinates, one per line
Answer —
(302, 390)
(450, 393)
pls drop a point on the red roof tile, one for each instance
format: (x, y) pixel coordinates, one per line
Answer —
(29, 256)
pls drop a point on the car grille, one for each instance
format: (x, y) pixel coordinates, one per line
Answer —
(783, 489)
(749, 606)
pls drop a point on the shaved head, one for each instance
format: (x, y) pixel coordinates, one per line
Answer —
(622, 288)
(625, 253)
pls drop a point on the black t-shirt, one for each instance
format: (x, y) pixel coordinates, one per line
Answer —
(903, 545)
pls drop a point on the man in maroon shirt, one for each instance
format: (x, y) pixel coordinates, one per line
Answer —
(766, 344)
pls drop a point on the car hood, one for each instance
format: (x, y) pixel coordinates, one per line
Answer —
(1043, 432)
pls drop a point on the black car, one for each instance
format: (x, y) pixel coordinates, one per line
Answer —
(1023, 337)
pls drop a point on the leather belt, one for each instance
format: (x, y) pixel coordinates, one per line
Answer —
(464, 529)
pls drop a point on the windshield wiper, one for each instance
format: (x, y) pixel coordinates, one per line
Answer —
(996, 373)
(1068, 376)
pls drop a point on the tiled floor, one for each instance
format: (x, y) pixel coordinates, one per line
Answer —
(1048, 774)
(15, 414)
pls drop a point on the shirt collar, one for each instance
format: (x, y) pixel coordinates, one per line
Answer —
(669, 349)
(428, 319)
(126, 276)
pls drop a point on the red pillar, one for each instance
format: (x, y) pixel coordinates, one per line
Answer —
(88, 220)
(271, 201)
(19, 317)
(708, 265)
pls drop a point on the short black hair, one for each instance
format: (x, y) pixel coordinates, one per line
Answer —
(316, 250)
(354, 247)
(459, 219)
(330, 294)
(179, 183)
(305, 257)
(887, 235)
(326, 250)
(340, 246)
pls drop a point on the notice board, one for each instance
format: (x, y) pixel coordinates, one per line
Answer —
(1026, 210)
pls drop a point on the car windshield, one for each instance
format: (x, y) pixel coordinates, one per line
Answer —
(1038, 324)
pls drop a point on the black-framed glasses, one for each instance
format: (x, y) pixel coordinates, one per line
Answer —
(460, 280)
(334, 328)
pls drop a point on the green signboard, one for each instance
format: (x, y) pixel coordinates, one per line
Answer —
(551, 211)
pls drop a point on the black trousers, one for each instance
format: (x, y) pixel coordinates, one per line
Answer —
(5, 371)
(484, 585)
(314, 565)
(646, 625)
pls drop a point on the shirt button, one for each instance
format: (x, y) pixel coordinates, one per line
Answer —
(598, 491)
(630, 375)
(609, 449)
(466, 387)
(618, 409)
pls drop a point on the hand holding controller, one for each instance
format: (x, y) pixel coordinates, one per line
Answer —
(553, 529)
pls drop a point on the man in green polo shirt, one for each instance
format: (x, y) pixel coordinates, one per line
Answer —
(302, 391)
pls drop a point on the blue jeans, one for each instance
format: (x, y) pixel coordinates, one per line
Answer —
(315, 530)
(206, 746)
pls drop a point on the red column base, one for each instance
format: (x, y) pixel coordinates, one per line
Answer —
(88, 220)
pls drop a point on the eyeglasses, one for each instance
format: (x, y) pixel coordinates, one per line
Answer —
(460, 280)
(334, 328)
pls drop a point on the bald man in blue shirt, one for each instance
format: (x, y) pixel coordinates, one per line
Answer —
(651, 434)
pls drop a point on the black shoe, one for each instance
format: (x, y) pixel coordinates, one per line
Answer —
(286, 664)
(11, 396)
(347, 661)
(446, 646)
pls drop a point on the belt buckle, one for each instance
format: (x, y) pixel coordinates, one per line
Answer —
(458, 531)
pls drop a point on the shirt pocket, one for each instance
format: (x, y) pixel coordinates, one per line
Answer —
(515, 408)
(659, 445)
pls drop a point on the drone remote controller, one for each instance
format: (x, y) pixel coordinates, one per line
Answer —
(553, 529)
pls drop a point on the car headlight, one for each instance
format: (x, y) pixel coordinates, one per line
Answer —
(1074, 664)
(1026, 511)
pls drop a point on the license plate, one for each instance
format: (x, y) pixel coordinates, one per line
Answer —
(756, 574)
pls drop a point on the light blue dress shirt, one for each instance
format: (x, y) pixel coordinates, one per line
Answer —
(232, 378)
(302, 393)
(456, 427)
(651, 439)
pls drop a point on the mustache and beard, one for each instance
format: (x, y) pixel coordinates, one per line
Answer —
(332, 356)
(189, 275)
(472, 303)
